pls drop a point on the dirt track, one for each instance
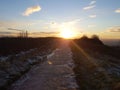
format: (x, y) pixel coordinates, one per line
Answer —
(54, 74)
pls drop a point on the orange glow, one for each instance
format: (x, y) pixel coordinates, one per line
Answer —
(67, 33)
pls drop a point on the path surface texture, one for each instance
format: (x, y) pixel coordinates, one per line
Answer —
(56, 73)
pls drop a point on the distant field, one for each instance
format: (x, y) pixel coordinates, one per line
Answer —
(16, 45)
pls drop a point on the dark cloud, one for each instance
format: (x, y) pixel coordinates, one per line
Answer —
(15, 29)
(6, 33)
(45, 33)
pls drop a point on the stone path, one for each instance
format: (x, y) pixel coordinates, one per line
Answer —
(54, 74)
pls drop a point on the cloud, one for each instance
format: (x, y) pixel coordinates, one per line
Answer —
(16, 24)
(70, 23)
(15, 29)
(31, 10)
(89, 7)
(114, 29)
(6, 33)
(117, 10)
(44, 34)
(92, 16)
(91, 25)
(92, 2)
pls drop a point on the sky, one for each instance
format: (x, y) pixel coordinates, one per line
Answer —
(49, 17)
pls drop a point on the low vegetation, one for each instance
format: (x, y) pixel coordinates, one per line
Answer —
(15, 45)
(97, 66)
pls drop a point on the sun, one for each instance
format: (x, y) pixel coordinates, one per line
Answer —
(67, 33)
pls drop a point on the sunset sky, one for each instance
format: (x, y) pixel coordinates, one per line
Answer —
(49, 17)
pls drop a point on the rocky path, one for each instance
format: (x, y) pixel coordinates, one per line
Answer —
(54, 74)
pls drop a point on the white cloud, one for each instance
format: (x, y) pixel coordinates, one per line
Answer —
(92, 16)
(91, 25)
(118, 10)
(92, 2)
(70, 23)
(89, 7)
(114, 29)
(31, 10)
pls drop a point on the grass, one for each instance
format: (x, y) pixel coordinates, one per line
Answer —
(90, 70)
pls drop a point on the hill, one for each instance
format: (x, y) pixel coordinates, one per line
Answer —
(97, 66)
